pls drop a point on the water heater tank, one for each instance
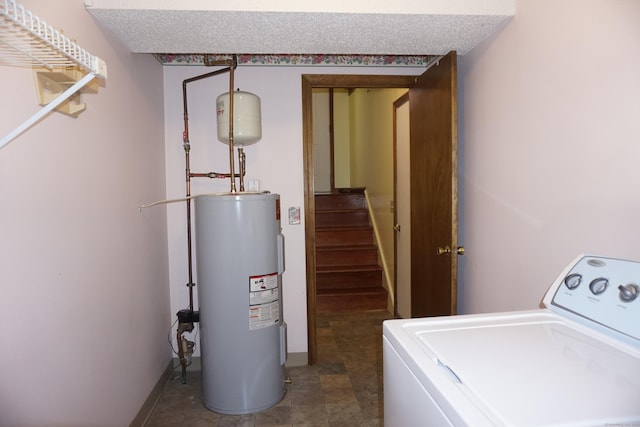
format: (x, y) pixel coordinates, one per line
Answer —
(247, 123)
(240, 260)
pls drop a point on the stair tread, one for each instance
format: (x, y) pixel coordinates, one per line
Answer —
(367, 246)
(353, 291)
(341, 210)
(340, 201)
(342, 228)
(340, 194)
(347, 268)
(342, 190)
(348, 274)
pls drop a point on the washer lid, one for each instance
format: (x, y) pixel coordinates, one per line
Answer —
(541, 371)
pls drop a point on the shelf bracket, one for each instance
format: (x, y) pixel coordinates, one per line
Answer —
(47, 108)
(51, 82)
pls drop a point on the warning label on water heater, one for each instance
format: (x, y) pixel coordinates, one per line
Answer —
(264, 301)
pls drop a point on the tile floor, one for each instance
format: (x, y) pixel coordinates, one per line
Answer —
(343, 389)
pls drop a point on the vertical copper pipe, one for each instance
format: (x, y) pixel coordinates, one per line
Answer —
(188, 326)
(231, 96)
(243, 166)
(187, 149)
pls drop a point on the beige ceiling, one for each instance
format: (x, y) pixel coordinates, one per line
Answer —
(401, 27)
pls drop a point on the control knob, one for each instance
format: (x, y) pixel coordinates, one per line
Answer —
(598, 285)
(573, 280)
(629, 292)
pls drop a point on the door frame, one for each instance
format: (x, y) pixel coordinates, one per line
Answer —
(310, 81)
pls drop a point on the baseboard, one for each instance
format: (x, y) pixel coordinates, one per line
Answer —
(144, 412)
(297, 359)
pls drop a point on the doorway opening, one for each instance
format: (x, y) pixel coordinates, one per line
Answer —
(433, 194)
(333, 87)
(354, 197)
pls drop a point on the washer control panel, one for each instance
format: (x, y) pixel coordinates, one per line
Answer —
(602, 293)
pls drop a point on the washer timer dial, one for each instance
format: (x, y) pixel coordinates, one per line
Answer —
(572, 281)
(629, 292)
(599, 285)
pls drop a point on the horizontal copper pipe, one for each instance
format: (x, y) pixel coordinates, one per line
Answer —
(212, 175)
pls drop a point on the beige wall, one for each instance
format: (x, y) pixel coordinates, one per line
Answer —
(341, 142)
(322, 123)
(84, 290)
(321, 101)
(550, 135)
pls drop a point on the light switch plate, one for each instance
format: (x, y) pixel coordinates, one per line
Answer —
(294, 215)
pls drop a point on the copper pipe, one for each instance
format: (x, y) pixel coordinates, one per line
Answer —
(187, 149)
(214, 175)
(203, 175)
(243, 166)
(188, 326)
(231, 99)
(214, 62)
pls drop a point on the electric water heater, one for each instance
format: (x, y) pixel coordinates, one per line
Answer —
(240, 260)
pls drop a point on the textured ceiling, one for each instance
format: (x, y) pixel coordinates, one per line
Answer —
(193, 26)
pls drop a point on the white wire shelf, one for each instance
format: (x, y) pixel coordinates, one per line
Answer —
(28, 41)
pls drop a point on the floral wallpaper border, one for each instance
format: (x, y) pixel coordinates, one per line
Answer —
(302, 60)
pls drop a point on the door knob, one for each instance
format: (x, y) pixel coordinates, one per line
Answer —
(396, 227)
(443, 250)
(447, 250)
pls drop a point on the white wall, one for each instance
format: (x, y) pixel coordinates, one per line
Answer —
(276, 161)
(550, 142)
(84, 297)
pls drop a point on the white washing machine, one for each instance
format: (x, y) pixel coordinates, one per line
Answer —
(574, 362)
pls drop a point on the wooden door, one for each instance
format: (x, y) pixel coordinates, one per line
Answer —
(434, 192)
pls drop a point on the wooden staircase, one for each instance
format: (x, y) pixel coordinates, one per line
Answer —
(348, 274)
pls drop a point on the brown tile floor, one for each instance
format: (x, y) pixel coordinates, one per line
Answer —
(343, 389)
